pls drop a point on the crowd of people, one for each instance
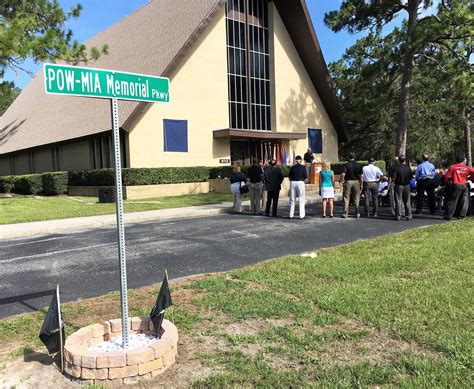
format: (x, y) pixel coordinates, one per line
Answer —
(397, 187)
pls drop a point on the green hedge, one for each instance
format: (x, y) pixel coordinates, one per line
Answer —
(55, 183)
(221, 172)
(7, 183)
(226, 171)
(28, 184)
(99, 177)
(140, 176)
(337, 166)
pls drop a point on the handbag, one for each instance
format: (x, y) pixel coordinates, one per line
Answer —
(244, 189)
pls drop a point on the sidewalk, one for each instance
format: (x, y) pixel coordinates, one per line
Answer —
(64, 226)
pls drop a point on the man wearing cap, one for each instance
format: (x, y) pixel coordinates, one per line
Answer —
(424, 176)
(351, 178)
(371, 176)
(298, 176)
(273, 178)
(458, 174)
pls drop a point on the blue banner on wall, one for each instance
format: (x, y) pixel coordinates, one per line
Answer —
(175, 134)
(315, 140)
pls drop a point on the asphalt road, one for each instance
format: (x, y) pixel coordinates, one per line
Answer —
(86, 264)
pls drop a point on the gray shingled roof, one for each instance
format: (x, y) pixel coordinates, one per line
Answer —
(146, 41)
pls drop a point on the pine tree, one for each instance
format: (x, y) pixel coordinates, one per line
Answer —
(35, 29)
(454, 21)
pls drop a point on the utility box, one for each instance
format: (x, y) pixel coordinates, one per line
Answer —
(107, 195)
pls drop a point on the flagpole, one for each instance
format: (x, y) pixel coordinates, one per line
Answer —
(60, 329)
(172, 308)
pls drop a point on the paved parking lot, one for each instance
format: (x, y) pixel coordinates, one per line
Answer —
(86, 264)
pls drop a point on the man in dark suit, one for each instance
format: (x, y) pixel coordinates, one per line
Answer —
(273, 179)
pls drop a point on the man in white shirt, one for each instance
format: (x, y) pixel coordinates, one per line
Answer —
(371, 175)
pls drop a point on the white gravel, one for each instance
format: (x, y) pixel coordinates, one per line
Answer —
(135, 341)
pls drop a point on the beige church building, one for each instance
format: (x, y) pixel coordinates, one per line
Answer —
(247, 78)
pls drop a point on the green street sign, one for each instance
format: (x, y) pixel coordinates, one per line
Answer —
(106, 84)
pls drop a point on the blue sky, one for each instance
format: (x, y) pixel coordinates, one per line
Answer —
(98, 15)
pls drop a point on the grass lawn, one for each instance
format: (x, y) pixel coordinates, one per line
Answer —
(20, 209)
(392, 311)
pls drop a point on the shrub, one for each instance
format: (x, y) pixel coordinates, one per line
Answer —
(98, 177)
(55, 183)
(165, 175)
(220, 172)
(140, 176)
(337, 166)
(226, 171)
(7, 183)
(28, 184)
(285, 169)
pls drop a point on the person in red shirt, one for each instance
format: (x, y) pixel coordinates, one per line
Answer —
(458, 174)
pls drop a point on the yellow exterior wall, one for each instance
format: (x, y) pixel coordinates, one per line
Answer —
(199, 95)
(76, 156)
(296, 103)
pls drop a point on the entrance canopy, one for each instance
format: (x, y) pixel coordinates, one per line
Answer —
(231, 133)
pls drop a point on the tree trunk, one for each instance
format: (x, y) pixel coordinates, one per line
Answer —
(467, 134)
(404, 104)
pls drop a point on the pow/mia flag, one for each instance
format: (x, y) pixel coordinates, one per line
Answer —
(163, 301)
(53, 326)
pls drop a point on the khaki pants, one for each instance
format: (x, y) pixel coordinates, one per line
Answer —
(255, 194)
(403, 199)
(263, 198)
(308, 169)
(351, 187)
(393, 201)
(371, 189)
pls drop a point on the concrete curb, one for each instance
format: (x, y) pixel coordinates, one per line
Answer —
(66, 226)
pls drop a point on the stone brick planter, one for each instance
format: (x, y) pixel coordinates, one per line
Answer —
(122, 367)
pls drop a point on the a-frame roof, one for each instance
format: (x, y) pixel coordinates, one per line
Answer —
(152, 40)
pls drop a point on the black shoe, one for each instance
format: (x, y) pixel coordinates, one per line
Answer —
(417, 212)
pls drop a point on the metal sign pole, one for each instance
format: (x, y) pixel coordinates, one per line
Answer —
(120, 226)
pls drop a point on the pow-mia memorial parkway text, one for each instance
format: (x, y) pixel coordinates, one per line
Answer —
(79, 81)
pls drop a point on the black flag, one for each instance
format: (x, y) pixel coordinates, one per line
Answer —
(163, 301)
(50, 332)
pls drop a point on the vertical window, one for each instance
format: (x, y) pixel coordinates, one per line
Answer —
(248, 64)
(175, 135)
(315, 140)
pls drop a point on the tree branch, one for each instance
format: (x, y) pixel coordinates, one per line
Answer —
(13, 64)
